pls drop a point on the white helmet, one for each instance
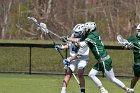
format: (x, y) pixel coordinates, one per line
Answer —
(79, 29)
(138, 27)
(90, 26)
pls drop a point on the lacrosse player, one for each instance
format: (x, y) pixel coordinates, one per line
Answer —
(78, 59)
(134, 43)
(104, 61)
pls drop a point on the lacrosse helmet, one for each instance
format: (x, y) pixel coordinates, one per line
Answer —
(79, 30)
(138, 30)
(138, 27)
(90, 26)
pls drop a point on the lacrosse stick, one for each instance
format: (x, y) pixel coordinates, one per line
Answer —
(44, 28)
(123, 41)
(75, 78)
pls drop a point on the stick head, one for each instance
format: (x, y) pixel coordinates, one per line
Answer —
(32, 19)
(44, 28)
(121, 40)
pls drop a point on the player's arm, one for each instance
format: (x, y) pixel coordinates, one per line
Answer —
(69, 59)
(60, 46)
(73, 39)
(129, 45)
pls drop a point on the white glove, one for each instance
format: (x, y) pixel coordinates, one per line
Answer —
(66, 61)
(60, 46)
(129, 45)
(66, 67)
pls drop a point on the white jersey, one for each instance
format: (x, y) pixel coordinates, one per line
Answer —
(82, 51)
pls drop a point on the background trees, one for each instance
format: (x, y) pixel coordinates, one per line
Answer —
(112, 17)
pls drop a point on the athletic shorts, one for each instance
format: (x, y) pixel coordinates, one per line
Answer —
(100, 67)
(136, 69)
(78, 64)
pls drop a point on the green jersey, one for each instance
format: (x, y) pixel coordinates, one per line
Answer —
(135, 39)
(96, 45)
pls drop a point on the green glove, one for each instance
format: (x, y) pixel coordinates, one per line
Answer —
(64, 38)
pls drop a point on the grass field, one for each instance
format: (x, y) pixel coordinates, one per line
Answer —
(23, 83)
(16, 59)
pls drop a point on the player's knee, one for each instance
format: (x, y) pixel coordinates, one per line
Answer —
(68, 76)
(113, 79)
(69, 73)
(91, 74)
(80, 76)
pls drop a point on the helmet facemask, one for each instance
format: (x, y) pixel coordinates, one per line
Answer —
(90, 26)
(138, 30)
(79, 30)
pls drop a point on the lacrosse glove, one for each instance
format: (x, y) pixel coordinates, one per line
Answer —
(66, 67)
(64, 38)
(129, 45)
(66, 61)
(60, 46)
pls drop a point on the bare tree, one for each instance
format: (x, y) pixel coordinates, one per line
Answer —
(5, 6)
(111, 16)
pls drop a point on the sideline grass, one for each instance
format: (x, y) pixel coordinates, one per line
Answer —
(21, 83)
(16, 59)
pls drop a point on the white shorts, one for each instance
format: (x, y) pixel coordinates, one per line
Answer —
(79, 64)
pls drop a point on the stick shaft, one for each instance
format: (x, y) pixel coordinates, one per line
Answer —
(75, 78)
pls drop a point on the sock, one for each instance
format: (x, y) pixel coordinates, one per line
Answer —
(82, 90)
(63, 88)
(102, 88)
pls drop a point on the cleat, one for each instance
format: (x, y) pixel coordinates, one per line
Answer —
(103, 90)
(63, 91)
(129, 90)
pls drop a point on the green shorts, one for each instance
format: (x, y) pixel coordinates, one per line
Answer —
(136, 69)
(100, 67)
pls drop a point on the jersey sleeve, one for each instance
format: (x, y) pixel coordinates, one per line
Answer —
(131, 38)
(91, 39)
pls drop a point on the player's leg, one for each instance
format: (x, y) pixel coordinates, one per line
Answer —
(67, 77)
(136, 70)
(81, 80)
(66, 80)
(81, 67)
(110, 75)
(134, 81)
(92, 75)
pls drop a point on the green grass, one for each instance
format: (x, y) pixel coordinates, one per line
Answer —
(48, 60)
(20, 83)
